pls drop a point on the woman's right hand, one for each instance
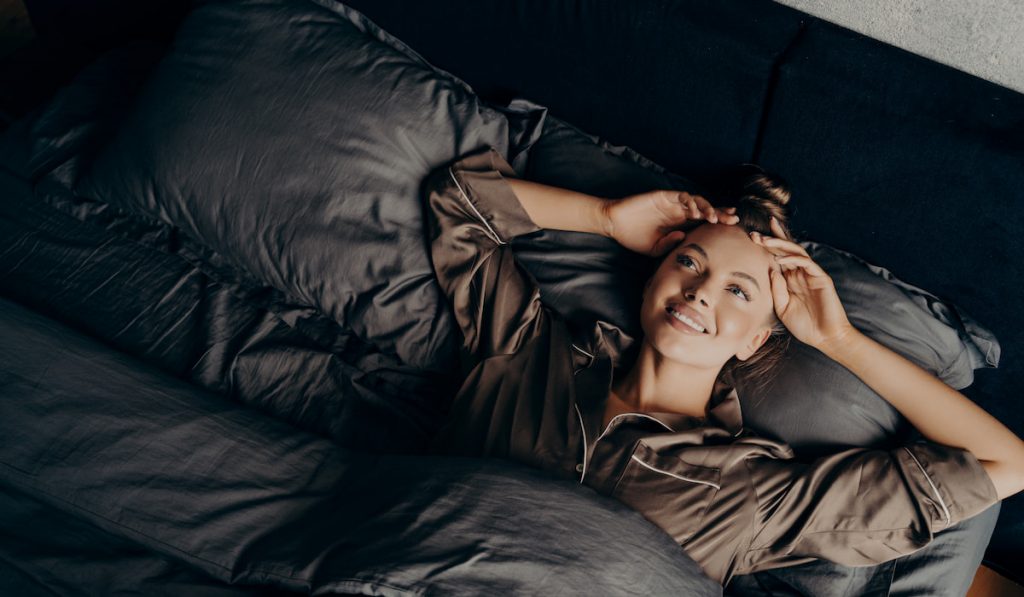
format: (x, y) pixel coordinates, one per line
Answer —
(804, 294)
(649, 223)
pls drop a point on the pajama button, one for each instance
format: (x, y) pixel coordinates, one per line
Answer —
(579, 468)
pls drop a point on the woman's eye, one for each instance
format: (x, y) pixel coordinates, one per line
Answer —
(684, 259)
(743, 294)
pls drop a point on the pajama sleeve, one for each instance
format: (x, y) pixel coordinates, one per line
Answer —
(862, 507)
(472, 215)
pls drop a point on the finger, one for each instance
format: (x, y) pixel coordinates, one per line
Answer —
(776, 228)
(704, 205)
(796, 280)
(806, 263)
(731, 210)
(780, 291)
(667, 242)
(724, 217)
(786, 246)
(694, 209)
(707, 210)
(693, 204)
(686, 203)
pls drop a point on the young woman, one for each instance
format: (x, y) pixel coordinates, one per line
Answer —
(663, 433)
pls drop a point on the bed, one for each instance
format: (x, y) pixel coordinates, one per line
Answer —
(224, 350)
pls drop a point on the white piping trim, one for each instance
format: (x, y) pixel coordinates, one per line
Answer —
(591, 362)
(494, 234)
(583, 351)
(680, 477)
(585, 447)
(605, 432)
(945, 510)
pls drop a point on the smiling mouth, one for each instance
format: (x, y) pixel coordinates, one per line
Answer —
(686, 320)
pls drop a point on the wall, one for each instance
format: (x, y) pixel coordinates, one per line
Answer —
(981, 37)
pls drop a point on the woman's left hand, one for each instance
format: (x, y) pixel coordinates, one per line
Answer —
(805, 296)
(650, 223)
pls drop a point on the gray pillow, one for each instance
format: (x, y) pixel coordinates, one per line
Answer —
(817, 405)
(291, 138)
(813, 403)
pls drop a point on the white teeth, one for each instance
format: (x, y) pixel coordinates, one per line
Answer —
(693, 324)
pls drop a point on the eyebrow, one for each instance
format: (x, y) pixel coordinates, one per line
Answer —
(743, 275)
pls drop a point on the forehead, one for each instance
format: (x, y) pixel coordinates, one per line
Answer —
(728, 248)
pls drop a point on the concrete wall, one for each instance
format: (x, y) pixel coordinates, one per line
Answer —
(981, 37)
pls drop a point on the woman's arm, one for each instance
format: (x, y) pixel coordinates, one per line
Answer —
(939, 412)
(807, 303)
(648, 223)
(562, 209)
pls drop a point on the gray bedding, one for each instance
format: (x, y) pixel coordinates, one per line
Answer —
(246, 499)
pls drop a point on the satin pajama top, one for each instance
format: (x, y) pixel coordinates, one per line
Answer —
(736, 503)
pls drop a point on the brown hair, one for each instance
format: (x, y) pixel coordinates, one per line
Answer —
(757, 196)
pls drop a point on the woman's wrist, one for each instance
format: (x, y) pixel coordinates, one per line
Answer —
(604, 217)
(842, 344)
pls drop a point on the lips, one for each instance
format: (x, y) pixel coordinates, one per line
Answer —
(689, 313)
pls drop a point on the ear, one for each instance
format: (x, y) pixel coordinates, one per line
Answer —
(755, 343)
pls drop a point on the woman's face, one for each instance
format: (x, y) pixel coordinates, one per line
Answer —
(719, 279)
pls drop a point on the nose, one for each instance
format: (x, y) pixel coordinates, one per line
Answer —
(697, 292)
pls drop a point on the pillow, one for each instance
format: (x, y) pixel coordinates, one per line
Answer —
(814, 404)
(817, 405)
(291, 137)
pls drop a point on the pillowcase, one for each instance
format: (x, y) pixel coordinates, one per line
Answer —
(817, 405)
(291, 137)
(813, 403)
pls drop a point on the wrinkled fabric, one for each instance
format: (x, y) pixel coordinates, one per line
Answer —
(131, 285)
(126, 282)
(61, 553)
(945, 567)
(228, 493)
(735, 503)
(290, 138)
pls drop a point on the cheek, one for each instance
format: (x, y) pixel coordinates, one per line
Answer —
(735, 321)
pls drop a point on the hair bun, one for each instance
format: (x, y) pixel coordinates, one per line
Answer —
(757, 195)
(754, 183)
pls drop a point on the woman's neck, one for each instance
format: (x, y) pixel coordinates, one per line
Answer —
(656, 384)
